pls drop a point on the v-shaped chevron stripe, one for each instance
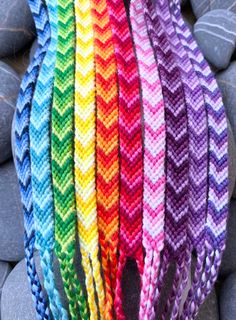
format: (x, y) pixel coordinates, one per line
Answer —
(41, 166)
(84, 156)
(62, 158)
(106, 148)
(154, 156)
(23, 161)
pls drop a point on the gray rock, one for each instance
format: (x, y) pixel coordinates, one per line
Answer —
(184, 2)
(232, 160)
(33, 49)
(228, 298)
(215, 33)
(200, 7)
(227, 83)
(228, 264)
(5, 269)
(11, 216)
(9, 88)
(210, 309)
(16, 26)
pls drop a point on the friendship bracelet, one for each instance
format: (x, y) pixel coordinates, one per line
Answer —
(106, 148)
(43, 211)
(22, 147)
(84, 157)
(62, 137)
(218, 175)
(154, 157)
(130, 134)
(177, 143)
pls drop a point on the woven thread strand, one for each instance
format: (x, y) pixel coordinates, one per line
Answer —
(22, 146)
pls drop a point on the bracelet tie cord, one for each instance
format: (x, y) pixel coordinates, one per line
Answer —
(62, 138)
(84, 157)
(130, 136)
(22, 148)
(107, 148)
(154, 157)
(177, 138)
(216, 221)
(43, 208)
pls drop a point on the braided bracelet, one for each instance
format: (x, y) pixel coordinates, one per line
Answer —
(177, 144)
(62, 159)
(106, 148)
(43, 209)
(154, 157)
(130, 134)
(22, 146)
(84, 156)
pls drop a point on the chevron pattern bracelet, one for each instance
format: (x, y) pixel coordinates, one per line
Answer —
(121, 154)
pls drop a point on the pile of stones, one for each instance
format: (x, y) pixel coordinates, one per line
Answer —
(213, 23)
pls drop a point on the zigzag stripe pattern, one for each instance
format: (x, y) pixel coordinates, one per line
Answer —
(106, 148)
(177, 141)
(22, 147)
(218, 168)
(62, 138)
(130, 135)
(43, 209)
(154, 157)
(198, 162)
(84, 156)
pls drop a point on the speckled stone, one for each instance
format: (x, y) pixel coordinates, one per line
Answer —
(9, 88)
(229, 262)
(215, 33)
(16, 26)
(5, 269)
(11, 215)
(228, 298)
(200, 7)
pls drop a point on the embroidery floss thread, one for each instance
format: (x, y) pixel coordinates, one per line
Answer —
(22, 147)
(62, 138)
(130, 134)
(107, 148)
(154, 157)
(42, 196)
(84, 157)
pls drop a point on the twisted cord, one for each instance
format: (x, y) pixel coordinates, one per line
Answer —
(177, 140)
(130, 134)
(217, 177)
(107, 175)
(22, 147)
(43, 209)
(84, 156)
(154, 157)
(62, 159)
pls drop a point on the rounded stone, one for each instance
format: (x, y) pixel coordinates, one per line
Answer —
(227, 83)
(216, 37)
(16, 26)
(5, 269)
(200, 7)
(33, 49)
(228, 298)
(9, 88)
(228, 264)
(11, 215)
